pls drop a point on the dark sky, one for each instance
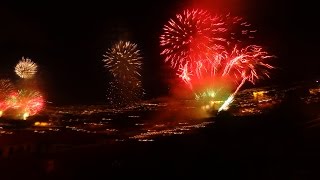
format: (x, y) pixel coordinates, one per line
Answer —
(67, 41)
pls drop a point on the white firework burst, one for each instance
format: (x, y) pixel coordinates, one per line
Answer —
(26, 68)
(123, 60)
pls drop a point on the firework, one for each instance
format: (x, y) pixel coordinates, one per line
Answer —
(26, 68)
(6, 87)
(238, 30)
(28, 102)
(6, 91)
(123, 60)
(192, 36)
(213, 54)
(196, 42)
(248, 63)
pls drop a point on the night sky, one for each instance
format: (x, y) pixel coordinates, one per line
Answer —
(67, 41)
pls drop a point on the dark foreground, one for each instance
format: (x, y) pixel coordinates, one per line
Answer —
(251, 151)
(281, 144)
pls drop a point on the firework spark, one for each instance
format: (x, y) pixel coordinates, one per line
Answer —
(6, 91)
(248, 63)
(29, 102)
(26, 68)
(210, 54)
(6, 87)
(122, 93)
(238, 30)
(123, 60)
(191, 36)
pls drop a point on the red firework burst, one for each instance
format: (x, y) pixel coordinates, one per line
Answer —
(29, 101)
(213, 52)
(247, 63)
(192, 36)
